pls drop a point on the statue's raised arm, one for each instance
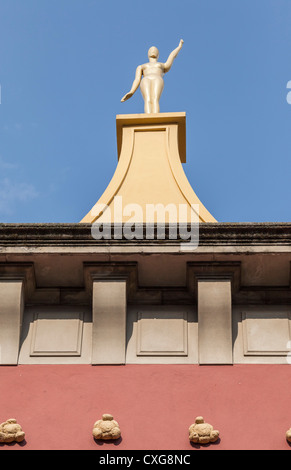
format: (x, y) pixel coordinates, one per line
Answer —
(172, 56)
(149, 77)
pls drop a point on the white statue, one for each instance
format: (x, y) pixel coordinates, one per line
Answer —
(150, 78)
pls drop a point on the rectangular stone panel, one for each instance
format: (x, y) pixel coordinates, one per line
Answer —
(58, 334)
(215, 321)
(162, 334)
(109, 321)
(11, 313)
(266, 333)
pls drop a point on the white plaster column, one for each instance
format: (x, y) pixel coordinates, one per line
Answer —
(214, 321)
(109, 320)
(11, 313)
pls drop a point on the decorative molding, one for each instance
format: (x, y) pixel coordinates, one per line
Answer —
(214, 233)
(266, 333)
(13, 271)
(213, 271)
(158, 329)
(55, 335)
(110, 271)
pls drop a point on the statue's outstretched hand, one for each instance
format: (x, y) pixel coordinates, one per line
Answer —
(127, 96)
(181, 42)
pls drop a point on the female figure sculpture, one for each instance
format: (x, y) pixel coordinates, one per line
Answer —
(150, 78)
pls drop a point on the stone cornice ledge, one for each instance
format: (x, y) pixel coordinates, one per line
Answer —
(77, 234)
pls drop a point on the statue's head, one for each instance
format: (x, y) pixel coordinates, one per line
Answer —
(153, 52)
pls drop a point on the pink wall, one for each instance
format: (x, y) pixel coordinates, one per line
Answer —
(154, 405)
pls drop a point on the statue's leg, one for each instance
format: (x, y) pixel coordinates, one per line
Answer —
(157, 88)
(145, 88)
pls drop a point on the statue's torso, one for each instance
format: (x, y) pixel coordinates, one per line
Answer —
(153, 69)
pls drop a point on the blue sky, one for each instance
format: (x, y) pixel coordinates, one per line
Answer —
(65, 65)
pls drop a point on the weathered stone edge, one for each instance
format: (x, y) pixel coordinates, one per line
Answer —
(221, 233)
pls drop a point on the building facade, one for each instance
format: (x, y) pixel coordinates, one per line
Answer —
(149, 329)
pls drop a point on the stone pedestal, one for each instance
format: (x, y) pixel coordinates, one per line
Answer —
(151, 149)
